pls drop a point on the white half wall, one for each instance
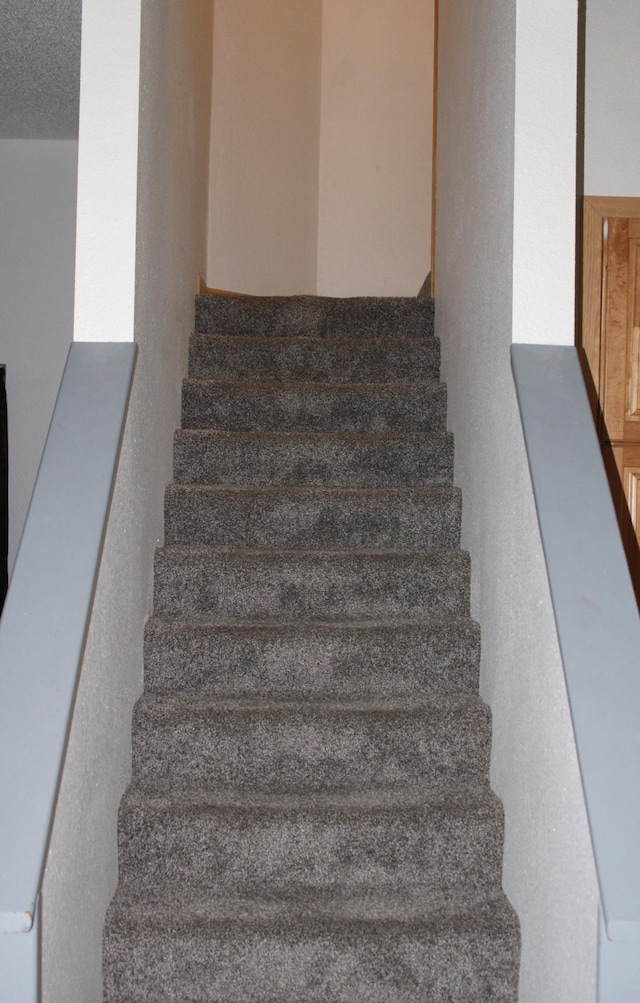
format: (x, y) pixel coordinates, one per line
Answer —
(107, 171)
(168, 169)
(544, 234)
(263, 227)
(37, 245)
(612, 108)
(374, 230)
(498, 61)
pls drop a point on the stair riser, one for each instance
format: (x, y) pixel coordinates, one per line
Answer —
(288, 752)
(323, 662)
(262, 853)
(374, 965)
(324, 360)
(309, 316)
(309, 520)
(246, 407)
(204, 457)
(280, 586)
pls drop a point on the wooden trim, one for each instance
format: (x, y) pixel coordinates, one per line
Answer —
(632, 387)
(612, 207)
(590, 335)
(622, 463)
(613, 390)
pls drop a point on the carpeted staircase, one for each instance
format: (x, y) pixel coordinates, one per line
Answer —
(310, 818)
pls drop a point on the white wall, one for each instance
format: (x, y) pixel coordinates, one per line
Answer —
(487, 225)
(37, 245)
(612, 108)
(107, 172)
(170, 248)
(263, 225)
(545, 172)
(374, 235)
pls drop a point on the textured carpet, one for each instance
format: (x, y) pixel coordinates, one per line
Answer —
(310, 817)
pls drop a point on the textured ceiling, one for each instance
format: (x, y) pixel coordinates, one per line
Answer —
(39, 68)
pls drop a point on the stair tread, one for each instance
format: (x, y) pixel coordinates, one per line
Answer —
(367, 951)
(313, 458)
(320, 315)
(255, 405)
(327, 584)
(341, 360)
(311, 658)
(280, 845)
(314, 518)
(307, 745)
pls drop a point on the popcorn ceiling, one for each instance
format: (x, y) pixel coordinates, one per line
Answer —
(39, 69)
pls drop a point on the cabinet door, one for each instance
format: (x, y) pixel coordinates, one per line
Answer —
(620, 348)
(626, 496)
(632, 399)
(610, 340)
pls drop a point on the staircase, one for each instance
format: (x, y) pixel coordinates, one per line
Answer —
(310, 818)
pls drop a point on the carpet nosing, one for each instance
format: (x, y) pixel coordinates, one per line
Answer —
(279, 386)
(283, 340)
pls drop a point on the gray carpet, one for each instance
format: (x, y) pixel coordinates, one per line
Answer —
(310, 817)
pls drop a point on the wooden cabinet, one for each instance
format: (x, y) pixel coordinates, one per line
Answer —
(611, 343)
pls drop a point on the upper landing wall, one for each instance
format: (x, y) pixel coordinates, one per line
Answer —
(321, 146)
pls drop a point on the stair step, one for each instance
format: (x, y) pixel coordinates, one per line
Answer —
(320, 660)
(327, 360)
(184, 745)
(310, 518)
(358, 316)
(290, 459)
(310, 817)
(292, 846)
(314, 407)
(322, 585)
(283, 953)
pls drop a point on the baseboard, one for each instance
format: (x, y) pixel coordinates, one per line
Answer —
(203, 289)
(425, 289)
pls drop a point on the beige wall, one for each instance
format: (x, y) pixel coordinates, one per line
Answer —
(263, 217)
(375, 147)
(321, 146)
